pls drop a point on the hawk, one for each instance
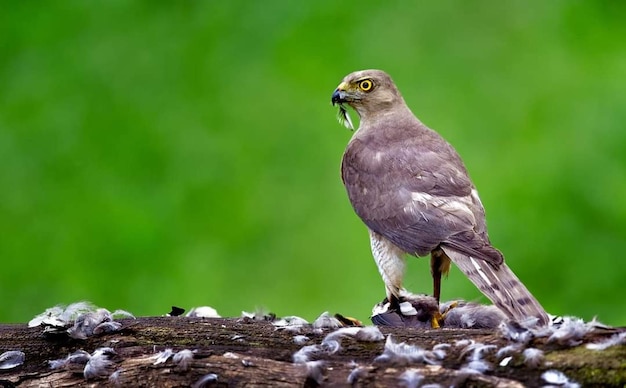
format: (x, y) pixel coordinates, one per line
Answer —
(412, 190)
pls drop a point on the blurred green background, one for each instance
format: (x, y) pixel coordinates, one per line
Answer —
(156, 153)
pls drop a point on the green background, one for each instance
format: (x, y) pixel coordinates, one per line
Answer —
(157, 153)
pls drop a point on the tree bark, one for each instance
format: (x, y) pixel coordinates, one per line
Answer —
(247, 352)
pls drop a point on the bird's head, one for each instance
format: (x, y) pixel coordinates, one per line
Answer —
(368, 92)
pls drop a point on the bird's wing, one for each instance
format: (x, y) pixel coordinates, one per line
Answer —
(414, 190)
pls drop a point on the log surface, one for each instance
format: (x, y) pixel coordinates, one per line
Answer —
(247, 352)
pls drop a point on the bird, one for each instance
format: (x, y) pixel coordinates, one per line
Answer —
(413, 192)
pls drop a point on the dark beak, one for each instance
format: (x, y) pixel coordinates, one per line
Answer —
(338, 97)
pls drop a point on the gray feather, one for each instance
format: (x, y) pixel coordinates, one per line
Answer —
(501, 286)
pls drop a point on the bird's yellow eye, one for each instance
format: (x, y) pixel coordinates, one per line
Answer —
(366, 85)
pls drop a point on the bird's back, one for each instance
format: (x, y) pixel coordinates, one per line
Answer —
(408, 184)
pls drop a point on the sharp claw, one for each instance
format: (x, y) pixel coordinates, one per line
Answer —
(438, 318)
(450, 307)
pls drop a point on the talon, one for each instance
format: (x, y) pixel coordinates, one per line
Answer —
(437, 320)
(450, 307)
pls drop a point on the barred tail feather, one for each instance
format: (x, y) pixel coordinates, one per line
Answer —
(501, 286)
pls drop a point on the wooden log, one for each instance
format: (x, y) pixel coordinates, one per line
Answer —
(248, 352)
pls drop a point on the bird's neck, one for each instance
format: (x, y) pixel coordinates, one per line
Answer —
(399, 114)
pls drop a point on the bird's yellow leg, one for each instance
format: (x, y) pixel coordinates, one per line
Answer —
(439, 265)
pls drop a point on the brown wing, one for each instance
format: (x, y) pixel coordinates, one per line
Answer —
(411, 187)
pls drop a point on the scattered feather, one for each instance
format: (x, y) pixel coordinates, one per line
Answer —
(325, 320)
(533, 357)
(56, 319)
(476, 351)
(315, 371)
(338, 334)
(57, 364)
(115, 378)
(571, 331)
(505, 361)
(509, 349)
(162, 357)
(441, 350)
(617, 339)
(531, 323)
(99, 364)
(306, 353)
(107, 327)
(84, 318)
(439, 353)
(49, 317)
(74, 362)
(331, 346)
(182, 359)
(356, 374)
(411, 378)
(442, 346)
(476, 367)
(259, 315)
(120, 314)
(463, 343)
(599, 325)
(363, 334)
(514, 331)
(369, 334)
(204, 380)
(300, 339)
(291, 323)
(332, 342)
(403, 354)
(74, 310)
(558, 378)
(565, 331)
(86, 323)
(11, 359)
(203, 312)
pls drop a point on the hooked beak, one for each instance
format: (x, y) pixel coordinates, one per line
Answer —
(339, 95)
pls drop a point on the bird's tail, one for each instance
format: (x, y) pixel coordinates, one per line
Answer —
(501, 286)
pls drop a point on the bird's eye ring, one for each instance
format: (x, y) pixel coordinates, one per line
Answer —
(366, 85)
